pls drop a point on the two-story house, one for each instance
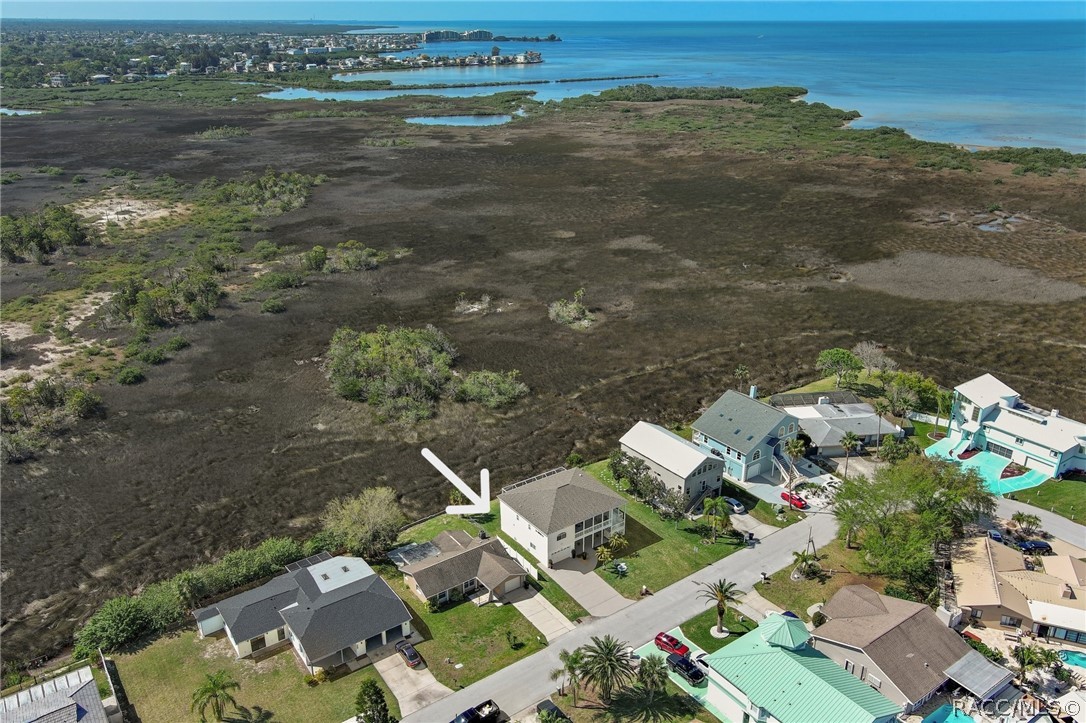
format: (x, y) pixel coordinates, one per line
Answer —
(746, 434)
(560, 514)
(678, 465)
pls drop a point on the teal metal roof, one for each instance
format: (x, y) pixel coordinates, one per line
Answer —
(741, 422)
(798, 686)
(784, 632)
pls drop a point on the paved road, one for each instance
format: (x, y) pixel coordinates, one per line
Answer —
(1059, 527)
(527, 681)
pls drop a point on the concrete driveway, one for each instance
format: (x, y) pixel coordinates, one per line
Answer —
(414, 689)
(540, 612)
(579, 579)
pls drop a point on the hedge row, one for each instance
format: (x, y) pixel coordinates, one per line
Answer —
(124, 619)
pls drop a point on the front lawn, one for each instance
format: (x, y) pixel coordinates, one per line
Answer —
(696, 629)
(922, 430)
(759, 509)
(840, 567)
(160, 678)
(481, 640)
(659, 552)
(1066, 497)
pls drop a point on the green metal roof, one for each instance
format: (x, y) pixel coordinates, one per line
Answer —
(741, 422)
(798, 686)
(784, 631)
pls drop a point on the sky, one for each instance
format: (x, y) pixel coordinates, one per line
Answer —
(551, 10)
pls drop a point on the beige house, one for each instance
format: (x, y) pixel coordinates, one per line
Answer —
(478, 568)
(992, 584)
(899, 648)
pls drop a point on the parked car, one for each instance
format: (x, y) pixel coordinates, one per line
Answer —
(686, 668)
(702, 661)
(995, 535)
(409, 654)
(794, 500)
(1035, 547)
(547, 706)
(485, 712)
(671, 644)
(735, 505)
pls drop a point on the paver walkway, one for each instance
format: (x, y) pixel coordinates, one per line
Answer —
(546, 618)
(414, 689)
(519, 686)
(578, 578)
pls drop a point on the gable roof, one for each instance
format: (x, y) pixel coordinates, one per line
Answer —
(1069, 569)
(665, 448)
(903, 638)
(986, 390)
(561, 500)
(978, 675)
(65, 699)
(798, 686)
(826, 424)
(329, 606)
(486, 560)
(740, 422)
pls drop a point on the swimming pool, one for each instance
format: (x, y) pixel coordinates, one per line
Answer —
(948, 714)
(989, 466)
(1073, 657)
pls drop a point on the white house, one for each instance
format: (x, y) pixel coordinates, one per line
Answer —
(560, 514)
(990, 416)
(333, 610)
(679, 465)
(746, 434)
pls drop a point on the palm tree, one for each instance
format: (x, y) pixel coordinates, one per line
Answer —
(1029, 523)
(794, 448)
(804, 560)
(214, 693)
(710, 506)
(572, 664)
(850, 441)
(1028, 658)
(943, 400)
(882, 408)
(607, 665)
(721, 593)
(741, 374)
(652, 675)
(617, 543)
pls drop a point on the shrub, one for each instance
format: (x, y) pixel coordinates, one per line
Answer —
(273, 305)
(129, 375)
(368, 523)
(36, 235)
(276, 280)
(78, 179)
(176, 343)
(162, 605)
(994, 655)
(50, 170)
(491, 389)
(82, 403)
(323, 541)
(571, 312)
(574, 459)
(220, 133)
(266, 250)
(119, 621)
(315, 258)
(154, 355)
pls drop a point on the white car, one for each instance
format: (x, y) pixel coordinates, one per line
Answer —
(735, 505)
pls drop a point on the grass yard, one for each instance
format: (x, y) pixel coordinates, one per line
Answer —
(866, 385)
(474, 637)
(659, 552)
(696, 629)
(671, 706)
(426, 531)
(923, 429)
(1066, 497)
(841, 567)
(161, 677)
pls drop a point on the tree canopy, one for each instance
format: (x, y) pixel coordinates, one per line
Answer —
(369, 523)
(838, 362)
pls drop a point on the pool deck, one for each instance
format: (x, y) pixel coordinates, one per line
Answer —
(989, 466)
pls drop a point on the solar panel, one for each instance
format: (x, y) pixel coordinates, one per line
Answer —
(309, 561)
(410, 554)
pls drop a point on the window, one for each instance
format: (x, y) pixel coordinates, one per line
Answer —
(561, 536)
(1009, 621)
(258, 643)
(976, 614)
(875, 682)
(1053, 453)
(531, 545)
(976, 414)
(756, 456)
(780, 432)
(579, 527)
(606, 516)
(597, 519)
(791, 428)
(280, 635)
(1018, 441)
(850, 666)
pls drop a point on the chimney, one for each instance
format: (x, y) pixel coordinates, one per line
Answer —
(1055, 412)
(1066, 591)
(753, 391)
(823, 400)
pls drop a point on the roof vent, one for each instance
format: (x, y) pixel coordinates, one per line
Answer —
(1055, 412)
(344, 568)
(324, 576)
(753, 391)
(482, 534)
(1066, 591)
(823, 400)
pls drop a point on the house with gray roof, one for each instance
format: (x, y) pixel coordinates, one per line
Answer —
(678, 465)
(826, 419)
(331, 610)
(901, 648)
(477, 567)
(746, 434)
(67, 698)
(561, 513)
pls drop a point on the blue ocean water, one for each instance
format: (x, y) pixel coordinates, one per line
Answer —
(985, 84)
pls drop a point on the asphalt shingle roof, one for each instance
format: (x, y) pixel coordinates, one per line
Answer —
(65, 699)
(905, 639)
(739, 421)
(561, 500)
(798, 686)
(486, 560)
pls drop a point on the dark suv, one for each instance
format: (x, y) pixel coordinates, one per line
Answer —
(1034, 547)
(686, 668)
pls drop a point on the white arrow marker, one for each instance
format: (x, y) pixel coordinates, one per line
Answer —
(480, 503)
